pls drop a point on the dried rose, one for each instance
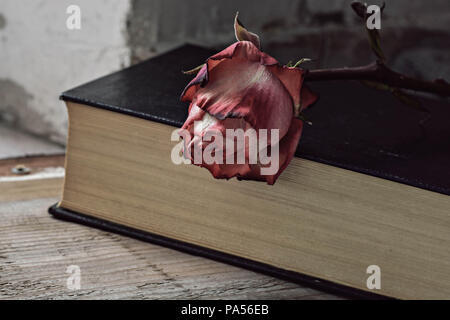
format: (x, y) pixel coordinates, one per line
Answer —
(242, 87)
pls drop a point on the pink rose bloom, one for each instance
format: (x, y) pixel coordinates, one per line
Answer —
(241, 87)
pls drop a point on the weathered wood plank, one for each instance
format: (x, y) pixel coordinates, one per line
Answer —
(36, 249)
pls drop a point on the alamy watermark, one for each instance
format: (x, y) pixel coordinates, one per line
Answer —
(236, 146)
(374, 280)
(73, 21)
(374, 18)
(73, 282)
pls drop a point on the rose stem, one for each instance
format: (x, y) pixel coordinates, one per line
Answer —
(379, 72)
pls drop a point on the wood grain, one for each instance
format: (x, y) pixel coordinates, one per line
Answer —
(36, 249)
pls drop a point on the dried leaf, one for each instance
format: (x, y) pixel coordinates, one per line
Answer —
(302, 60)
(376, 85)
(242, 34)
(360, 9)
(194, 71)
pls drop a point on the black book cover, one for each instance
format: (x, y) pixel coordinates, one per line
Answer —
(354, 127)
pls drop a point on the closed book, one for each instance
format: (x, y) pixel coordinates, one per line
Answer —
(363, 209)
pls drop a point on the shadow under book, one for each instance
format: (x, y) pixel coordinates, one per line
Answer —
(368, 186)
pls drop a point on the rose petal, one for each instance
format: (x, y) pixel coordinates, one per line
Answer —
(227, 171)
(308, 98)
(287, 148)
(292, 79)
(247, 50)
(241, 89)
(242, 49)
(200, 79)
(199, 123)
(195, 114)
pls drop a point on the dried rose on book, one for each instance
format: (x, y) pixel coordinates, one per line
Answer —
(244, 89)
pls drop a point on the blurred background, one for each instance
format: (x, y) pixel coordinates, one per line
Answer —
(40, 57)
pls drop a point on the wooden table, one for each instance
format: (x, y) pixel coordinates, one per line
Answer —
(36, 249)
